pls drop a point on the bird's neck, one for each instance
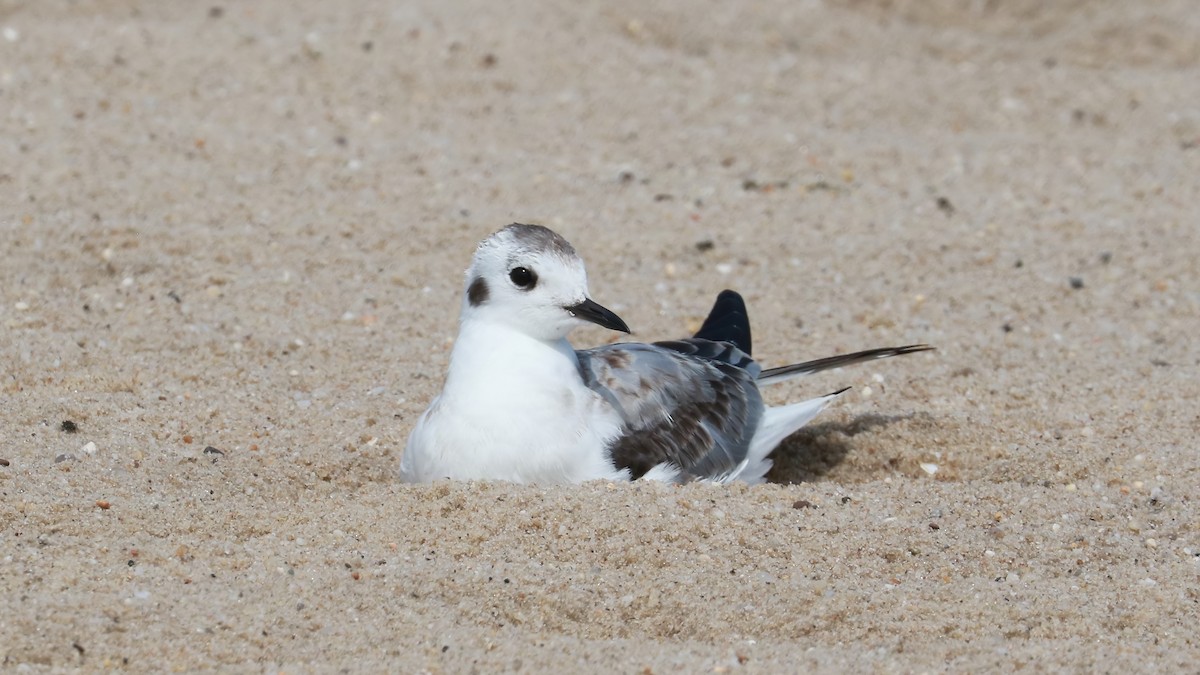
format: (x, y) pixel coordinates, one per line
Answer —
(492, 354)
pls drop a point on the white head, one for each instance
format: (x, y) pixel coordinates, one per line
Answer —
(529, 278)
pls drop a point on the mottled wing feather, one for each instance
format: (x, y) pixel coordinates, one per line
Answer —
(687, 404)
(723, 352)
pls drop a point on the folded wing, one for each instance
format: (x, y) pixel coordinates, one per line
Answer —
(690, 404)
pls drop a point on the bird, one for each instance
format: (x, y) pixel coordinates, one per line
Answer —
(520, 404)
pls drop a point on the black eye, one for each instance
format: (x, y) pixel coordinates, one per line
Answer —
(524, 278)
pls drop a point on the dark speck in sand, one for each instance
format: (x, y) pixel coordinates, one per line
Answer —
(1076, 282)
(69, 426)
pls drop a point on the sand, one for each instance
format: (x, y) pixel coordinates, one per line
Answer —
(233, 237)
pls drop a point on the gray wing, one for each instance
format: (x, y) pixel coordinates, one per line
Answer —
(690, 403)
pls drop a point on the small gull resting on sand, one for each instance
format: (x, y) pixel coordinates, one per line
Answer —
(520, 404)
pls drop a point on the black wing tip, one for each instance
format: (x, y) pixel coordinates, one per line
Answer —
(839, 361)
(728, 321)
(839, 392)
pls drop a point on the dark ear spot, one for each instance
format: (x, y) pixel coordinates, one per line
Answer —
(477, 292)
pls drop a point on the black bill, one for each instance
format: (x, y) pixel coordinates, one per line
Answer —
(590, 310)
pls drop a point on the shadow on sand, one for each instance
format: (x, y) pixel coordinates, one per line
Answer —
(817, 449)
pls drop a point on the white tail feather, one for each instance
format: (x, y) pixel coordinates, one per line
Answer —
(777, 424)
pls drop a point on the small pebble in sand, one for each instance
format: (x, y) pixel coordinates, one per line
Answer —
(89, 448)
(210, 450)
(11, 34)
(1076, 282)
(4, 462)
(64, 457)
(929, 468)
(103, 504)
(69, 426)
(312, 45)
(21, 306)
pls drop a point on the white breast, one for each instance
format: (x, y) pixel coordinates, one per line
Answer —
(513, 408)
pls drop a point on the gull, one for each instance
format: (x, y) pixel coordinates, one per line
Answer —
(520, 404)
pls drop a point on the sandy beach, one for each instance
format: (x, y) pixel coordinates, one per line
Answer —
(232, 238)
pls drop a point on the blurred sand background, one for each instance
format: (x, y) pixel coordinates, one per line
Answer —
(242, 226)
